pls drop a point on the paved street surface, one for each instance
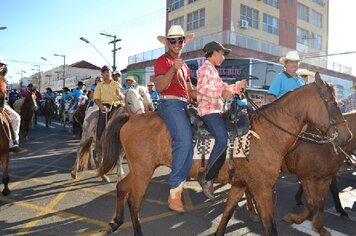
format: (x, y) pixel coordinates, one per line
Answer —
(45, 200)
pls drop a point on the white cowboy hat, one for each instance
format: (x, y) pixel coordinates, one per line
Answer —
(151, 84)
(291, 56)
(175, 31)
(306, 72)
(130, 78)
(2, 61)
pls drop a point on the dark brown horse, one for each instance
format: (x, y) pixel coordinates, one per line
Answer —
(315, 165)
(26, 109)
(318, 107)
(4, 138)
(48, 111)
(78, 119)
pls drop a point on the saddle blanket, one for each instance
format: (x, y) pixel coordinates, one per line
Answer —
(241, 146)
(18, 104)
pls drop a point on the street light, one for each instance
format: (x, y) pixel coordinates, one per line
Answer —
(45, 59)
(64, 67)
(39, 76)
(21, 73)
(3, 27)
(87, 41)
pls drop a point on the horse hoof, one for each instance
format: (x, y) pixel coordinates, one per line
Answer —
(6, 192)
(112, 227)
(288, 218)
(344, 216)
(73, 174)
(254, 218)
(106, 179)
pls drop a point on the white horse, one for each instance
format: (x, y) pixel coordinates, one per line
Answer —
(65, 117)
(134, 104)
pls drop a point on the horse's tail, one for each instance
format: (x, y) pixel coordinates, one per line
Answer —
(83, 154)
(111, 144)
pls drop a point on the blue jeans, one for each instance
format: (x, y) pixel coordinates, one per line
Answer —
(216, 127)
(174, 114)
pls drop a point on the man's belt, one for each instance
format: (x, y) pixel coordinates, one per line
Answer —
(172, 97)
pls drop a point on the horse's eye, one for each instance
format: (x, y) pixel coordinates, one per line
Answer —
(129, 103)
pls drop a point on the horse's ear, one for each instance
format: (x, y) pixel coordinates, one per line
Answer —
(318, 80)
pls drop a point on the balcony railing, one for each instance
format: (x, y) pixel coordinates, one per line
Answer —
(243, 41)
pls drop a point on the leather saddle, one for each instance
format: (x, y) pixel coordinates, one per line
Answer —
(237, 122)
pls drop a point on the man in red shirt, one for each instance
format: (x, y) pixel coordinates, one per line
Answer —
(172, 82)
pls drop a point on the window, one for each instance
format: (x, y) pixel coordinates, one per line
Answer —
(175, 4)
(177, 21)
(303, 12)
(196, 19)
(291, 27)
(249, 14)
(319, 2)
(316, 41)
(317, 19)
(191, 1)
(273, 3)
(302, 36)
(270, 24)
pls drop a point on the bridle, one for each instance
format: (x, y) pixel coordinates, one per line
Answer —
(305, 136)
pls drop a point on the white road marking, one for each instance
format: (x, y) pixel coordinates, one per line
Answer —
(306, 227)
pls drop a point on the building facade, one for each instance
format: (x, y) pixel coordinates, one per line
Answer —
(258, 31)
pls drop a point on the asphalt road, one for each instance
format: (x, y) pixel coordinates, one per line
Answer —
(46, 201)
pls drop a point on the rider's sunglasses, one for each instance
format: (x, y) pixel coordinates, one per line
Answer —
(175, 40)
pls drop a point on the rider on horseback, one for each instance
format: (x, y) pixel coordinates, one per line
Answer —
(211, 90)
(15, 118)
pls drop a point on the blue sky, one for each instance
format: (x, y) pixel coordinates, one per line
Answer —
(39, 28)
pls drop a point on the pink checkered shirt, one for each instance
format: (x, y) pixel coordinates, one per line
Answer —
(210, 86)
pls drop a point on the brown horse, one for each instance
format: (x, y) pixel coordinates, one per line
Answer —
(48, 111)
(4, 138)
(258, 175)
(315, 165)
(78, 118)
(26, 110)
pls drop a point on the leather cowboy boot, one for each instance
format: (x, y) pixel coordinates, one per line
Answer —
(175, 199)
(206, 185)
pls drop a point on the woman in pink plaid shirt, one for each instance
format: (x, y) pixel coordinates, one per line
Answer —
(212, 90)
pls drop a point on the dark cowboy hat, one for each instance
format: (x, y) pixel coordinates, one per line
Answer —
(80, 83)
(30, 85)
(66, 88)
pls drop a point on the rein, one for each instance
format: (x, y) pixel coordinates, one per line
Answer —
(305, 136)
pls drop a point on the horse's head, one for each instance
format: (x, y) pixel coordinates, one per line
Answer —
(134, 102)
(324, 102)
(147, 102)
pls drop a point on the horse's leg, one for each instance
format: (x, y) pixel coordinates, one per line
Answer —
(335, 193)
(5, 177)
(322, 187)
(263, 198)
(251, 208)
(139, 185)
(309, 192)
(122, 189)
(233, 198)
(120, 169)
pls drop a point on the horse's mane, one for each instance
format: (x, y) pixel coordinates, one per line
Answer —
(2, 85)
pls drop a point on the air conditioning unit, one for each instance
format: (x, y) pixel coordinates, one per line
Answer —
(244, 24)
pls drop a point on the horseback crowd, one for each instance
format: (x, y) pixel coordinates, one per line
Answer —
(172, 93)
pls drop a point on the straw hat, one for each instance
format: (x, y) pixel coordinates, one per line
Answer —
(2, 61)
(306, 72)
(130, 78)
(291, 56)
(151, 84)
(175, 31)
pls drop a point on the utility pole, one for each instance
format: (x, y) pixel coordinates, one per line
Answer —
(39, 76)
(64, 67)
(114, 41)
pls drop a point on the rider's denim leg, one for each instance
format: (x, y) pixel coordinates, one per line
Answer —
(101, 124)
(216, 127)
(174, 114)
